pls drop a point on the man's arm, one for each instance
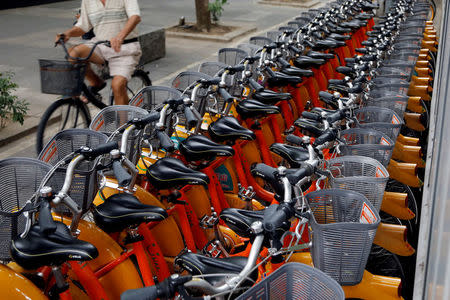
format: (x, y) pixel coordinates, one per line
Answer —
(117, 41)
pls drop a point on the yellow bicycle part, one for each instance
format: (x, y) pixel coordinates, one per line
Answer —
(113, 282)
(15, 286)
(430, 45)
(415, 105)
(395, 204)
(410, 154)
(412, 120)
(406, 140)
(405, 173)
(422, 71)
(415, 80)
(392, 237)
(421, 91)
(371, 287)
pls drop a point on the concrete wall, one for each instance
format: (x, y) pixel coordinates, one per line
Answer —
(153, 44)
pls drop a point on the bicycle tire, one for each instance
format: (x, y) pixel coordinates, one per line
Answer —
(138, 80)
(50, 117)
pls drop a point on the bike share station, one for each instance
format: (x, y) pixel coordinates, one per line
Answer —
(309, 163)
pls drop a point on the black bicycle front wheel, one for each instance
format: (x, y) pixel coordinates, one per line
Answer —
(62, 114)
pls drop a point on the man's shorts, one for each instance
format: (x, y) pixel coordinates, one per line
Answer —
(123, 62)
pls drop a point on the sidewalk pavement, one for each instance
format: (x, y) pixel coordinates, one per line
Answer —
(29, 35)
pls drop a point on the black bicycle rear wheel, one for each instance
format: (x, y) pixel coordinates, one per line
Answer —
(139, 80)
(62, 114)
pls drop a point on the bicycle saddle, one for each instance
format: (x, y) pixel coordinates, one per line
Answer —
(364, 16)
(315, 54)
(228, 129)
(294, 71)
(313, 127)
(338, 29)
(307, 62)
(120, 211)
(170, 172)
(36, 250)
(250, 108)
(240, 220)
(328, 43)
(199, 147)
(197, 264)
(293, 154)
(340, 37)
(270, 97)
(282, 79)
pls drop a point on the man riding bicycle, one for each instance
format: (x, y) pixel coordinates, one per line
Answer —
(113, 20)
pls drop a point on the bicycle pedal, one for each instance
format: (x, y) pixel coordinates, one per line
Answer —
(208, 222)
(246, 194)
(212, 249)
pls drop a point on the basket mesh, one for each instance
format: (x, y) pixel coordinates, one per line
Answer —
(295, 281)
(149, 97)
(382, 119)
(20, 179)
(61, 77)
(273, 35)
(396, 102)
(343, 226)
(211, 68)
(84, 183)
(251, 49)
(367, 142)
(260, 41)
(361, 174)
(231, 56)
(187, 79)
(112, 117)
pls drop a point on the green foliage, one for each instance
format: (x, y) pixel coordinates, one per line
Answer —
(216, 8)
(11, 108)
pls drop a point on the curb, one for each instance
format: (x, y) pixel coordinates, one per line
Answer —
(243, 30)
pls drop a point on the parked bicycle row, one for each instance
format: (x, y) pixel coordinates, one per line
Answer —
(286, 170)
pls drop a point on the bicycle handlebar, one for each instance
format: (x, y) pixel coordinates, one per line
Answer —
(79, 59)
(165, 289)
(122, 176)
(46, 223)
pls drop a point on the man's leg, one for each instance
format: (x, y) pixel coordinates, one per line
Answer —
(83, 51)
(119, 87)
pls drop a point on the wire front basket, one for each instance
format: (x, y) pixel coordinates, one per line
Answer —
(343, 226)
(112, 117)
(295, 281)
(367, 142)
(150, 96)
(381, 119)
(20, 179)
(84, 183)
(61, 77)
(361, 174)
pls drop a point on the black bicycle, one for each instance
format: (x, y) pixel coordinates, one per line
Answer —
(62, 77)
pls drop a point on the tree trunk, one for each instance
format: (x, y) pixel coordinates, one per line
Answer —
(203, 15)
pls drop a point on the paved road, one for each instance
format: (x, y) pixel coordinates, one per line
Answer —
(28, 35)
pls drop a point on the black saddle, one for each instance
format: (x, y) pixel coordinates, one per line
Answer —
(199, 147)
(282, 79)
(240, 220)
(228, 129)
(312, 127)
(36, 250)
(293, 154)
(328, 43)
(294, 71)
(320, 55)
(120, 211)
(254, 109)
(270, 97)
(340, 37)
(304, 61)
(197, 264)
(170, 172)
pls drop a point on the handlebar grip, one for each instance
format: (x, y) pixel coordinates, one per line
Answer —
(46, 223)
(327, 136)
(344, 70)
(191, 120)
(293, 139)
(91, 154)
(295, 177)
(165, 141)
(311, 116)
(146, 293)
(122, 176)
(295, 49)
(225, 95)
(235, 69)
(255, 85)
(336, 116)
(151, 117)
(284, 63)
